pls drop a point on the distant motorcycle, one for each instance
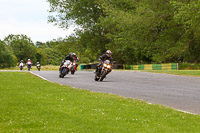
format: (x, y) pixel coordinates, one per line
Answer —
(21, 65)
(38, 67)
(65, 68)
(29, 64)
(73, 68)
(104, 70)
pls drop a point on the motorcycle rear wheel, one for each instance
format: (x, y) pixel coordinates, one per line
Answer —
(96, 78)
(61, 76)
(72, 71)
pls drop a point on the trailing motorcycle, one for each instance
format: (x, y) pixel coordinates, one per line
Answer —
(38, 67)
(65, 68)
(73, 68)
(103, 70)
(21, 65)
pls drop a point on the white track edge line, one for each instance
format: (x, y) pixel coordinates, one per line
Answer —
(176, 109)
(40, 76)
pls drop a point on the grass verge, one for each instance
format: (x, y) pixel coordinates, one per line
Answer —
(195, 73)
(43, 68)
(29, 104)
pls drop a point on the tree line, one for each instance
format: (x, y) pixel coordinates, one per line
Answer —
(136, 31)
(15, 48)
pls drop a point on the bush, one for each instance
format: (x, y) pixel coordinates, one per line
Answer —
(188, 66)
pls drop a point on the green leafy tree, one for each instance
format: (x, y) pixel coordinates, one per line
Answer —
(41, 45)
(41, 56)
(135, 31)
(22, 47)
(53, 56)
(187, 15)
(85, 14)
(7, 59)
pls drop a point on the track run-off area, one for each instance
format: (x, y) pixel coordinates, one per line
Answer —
(178, 92)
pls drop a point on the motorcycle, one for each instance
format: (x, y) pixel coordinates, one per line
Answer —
(73, 68)
(66, 67)
(29, 66)
(38, 67)
(104, 70)
(21, 65)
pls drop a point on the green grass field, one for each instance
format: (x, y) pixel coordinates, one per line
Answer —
(195, 73)
(30, 104)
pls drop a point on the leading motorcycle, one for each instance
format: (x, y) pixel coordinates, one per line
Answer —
(103, 70)
(29, 66)
(65, 68)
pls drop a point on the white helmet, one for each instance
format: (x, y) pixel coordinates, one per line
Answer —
(108, 52)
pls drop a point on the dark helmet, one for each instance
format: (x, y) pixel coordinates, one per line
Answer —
(108, 53)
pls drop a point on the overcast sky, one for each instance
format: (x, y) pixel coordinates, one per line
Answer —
(28, 17)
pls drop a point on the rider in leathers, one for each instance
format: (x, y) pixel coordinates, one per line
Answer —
(102, 58)
(68, 57)
(76, 59)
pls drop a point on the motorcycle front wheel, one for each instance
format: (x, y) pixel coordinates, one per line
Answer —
(103, 75)
(96, 78)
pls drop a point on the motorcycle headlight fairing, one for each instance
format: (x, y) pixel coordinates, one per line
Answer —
(104, 65)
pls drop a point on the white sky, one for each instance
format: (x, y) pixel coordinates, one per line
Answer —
(28, 17)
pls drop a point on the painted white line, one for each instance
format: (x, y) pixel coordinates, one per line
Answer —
(176, 109)
(40, 76)
(186, 112)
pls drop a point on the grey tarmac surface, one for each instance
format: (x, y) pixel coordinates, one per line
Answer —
(178, 92)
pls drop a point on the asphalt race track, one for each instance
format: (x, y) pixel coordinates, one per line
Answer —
(179, 92)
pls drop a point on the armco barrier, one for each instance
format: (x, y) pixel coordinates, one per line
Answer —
(169, 66)
(88, 66)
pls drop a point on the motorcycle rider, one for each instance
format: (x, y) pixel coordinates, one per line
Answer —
(21, 61)
(38, 65)
(106, 56)
(75, 58)
(68, 57)
(29, 62)
(21, 64)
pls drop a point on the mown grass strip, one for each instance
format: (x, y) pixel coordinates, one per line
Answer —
(195, 73)
(29, 104)
(33, 68)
